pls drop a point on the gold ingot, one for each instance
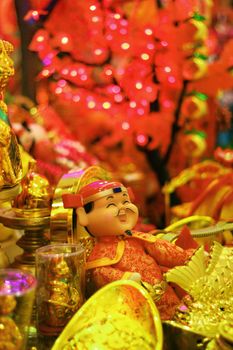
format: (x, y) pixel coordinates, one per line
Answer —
(178, 336)
(121, 315)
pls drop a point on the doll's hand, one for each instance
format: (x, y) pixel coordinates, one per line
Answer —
(135, 276)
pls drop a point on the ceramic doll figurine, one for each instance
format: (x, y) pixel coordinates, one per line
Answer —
(64, 299)
(106, 211)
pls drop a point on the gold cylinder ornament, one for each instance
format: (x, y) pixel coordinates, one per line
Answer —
(60, 293)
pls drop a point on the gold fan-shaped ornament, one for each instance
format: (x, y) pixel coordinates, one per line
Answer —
(184, 275)
(209, 282)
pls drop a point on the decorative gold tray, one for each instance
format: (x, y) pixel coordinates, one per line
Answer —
(9, 218)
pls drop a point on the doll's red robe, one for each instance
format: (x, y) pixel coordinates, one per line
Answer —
(116, 257)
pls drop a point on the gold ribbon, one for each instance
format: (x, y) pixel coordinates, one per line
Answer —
(147, 237)
(108, 261)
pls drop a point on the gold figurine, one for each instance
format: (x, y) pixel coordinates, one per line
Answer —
(10, 158)
(63, 297)
(36, 196)
(6, 69)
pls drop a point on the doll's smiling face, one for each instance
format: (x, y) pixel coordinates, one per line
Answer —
(112, 215)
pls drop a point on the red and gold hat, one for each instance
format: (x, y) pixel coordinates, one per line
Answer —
(91, 192)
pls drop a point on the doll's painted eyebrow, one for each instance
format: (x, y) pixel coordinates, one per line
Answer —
(112, 197)
(109, 197)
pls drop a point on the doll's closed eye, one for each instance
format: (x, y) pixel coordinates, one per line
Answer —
(113, 204)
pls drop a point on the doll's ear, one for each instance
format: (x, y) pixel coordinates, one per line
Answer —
(82, 216)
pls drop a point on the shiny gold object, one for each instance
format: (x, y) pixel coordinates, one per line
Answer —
(63, 226)
(226, 332)
(201, 220)
(64, 299)
(156, 291)
(6, 69)
(6, 233)
(36, 196)
(121, 315)
(10, 336)
(4, 260)
(30, 212)
(180, 337)
(10, 160)
(201, 171)
(207, 230)
(60, 289)
(224, 339)
(17, 291)
(7, 304)
(210, 285)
